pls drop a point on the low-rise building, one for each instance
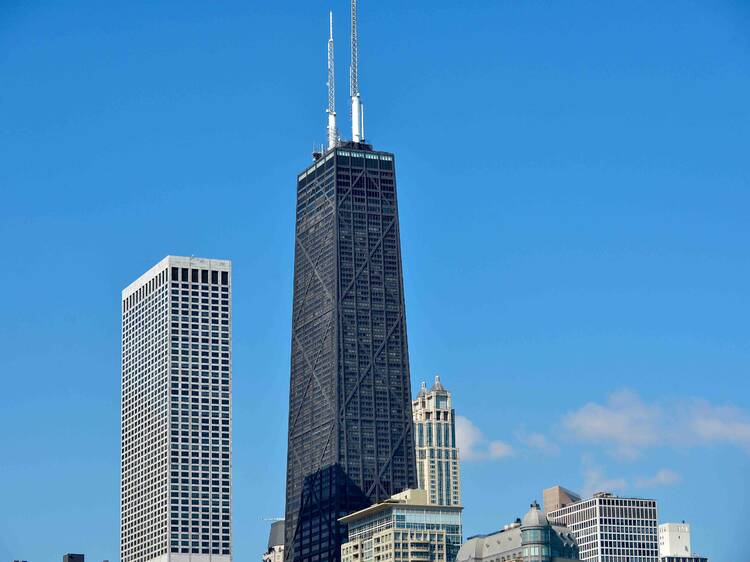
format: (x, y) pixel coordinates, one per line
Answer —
(674, 544)
(403, 528)
(275, 550)
(674, 539)
(531, 539)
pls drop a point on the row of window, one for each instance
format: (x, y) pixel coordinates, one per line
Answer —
(200, 276)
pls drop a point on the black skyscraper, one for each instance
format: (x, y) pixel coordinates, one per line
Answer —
(350, 424)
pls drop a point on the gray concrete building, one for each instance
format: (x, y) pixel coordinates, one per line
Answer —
(531, 539)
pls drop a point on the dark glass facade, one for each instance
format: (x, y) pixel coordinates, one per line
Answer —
(351, 441)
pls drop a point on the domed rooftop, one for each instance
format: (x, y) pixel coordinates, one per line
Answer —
(437, 387)
(535, 517)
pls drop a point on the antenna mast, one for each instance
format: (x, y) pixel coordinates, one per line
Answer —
(333, 134)
(357, 114)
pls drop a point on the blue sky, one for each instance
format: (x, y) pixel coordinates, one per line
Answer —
(573, 184)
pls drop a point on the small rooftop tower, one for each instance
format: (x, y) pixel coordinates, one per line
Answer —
(358, 123)
(333, 134)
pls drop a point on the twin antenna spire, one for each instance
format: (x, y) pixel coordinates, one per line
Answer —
(358, 113)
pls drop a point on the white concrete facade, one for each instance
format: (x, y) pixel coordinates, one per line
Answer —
(438, 469)
(674, 539)
(612, 529)
(176, 413)
(274, 554)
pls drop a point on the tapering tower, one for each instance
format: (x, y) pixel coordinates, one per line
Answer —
(350, 437)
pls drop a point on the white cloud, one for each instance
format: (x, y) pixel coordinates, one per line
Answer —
(665, 477)
(625, 425)
(499, 449)
(719, 424)
(538, 442)
(473, 445)
(594, 480)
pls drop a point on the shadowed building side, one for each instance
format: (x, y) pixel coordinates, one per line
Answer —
(351, 439)
(350, 422)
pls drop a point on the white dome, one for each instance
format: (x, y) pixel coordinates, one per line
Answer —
(534, 517)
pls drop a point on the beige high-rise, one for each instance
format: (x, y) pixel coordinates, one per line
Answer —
(557, 497)
(438, 469)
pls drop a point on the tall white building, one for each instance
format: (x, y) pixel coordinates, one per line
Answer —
(674, 539)
(612, 529)
(176, 455)
(438, 469)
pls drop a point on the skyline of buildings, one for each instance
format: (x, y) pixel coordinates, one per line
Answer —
(372, 474)
(438, 468)
(532, 539)
(576, 304)
(176, 413)
(177, 320)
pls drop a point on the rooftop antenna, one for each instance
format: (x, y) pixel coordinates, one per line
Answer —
(357, 113)
(333, 134)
